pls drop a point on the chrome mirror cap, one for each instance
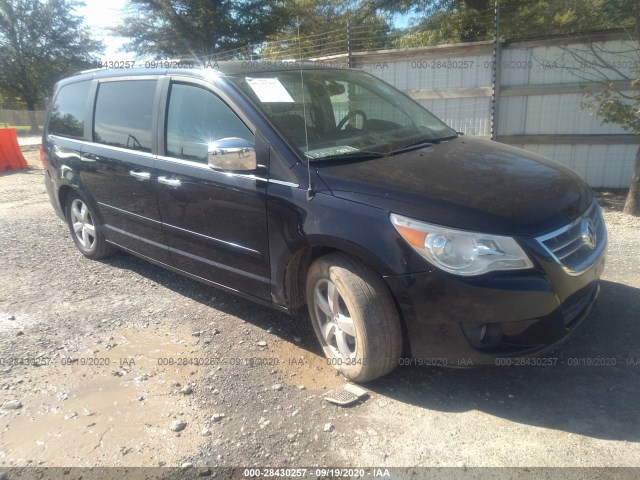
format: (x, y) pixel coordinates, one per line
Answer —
(232, 153)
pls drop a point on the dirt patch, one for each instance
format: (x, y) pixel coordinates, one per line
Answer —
(305, 368)
(612, 200)
(114, 399)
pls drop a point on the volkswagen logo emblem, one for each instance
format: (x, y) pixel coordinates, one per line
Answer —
(588, 233)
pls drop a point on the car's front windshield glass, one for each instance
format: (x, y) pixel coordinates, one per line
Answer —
(341, 114)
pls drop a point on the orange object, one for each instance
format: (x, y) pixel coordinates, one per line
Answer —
(414, 237)
(11, 157)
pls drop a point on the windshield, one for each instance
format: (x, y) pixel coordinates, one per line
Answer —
(349, 114)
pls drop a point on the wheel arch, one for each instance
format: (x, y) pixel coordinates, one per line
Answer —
(67, 189)
(295, 275)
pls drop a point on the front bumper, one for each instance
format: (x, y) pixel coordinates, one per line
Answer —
(457, 321)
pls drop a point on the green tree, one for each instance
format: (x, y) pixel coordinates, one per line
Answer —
(621, 107)
(454, 21)
(319, 28)
(615, 104)
(198, 28)
(422, 8)
(41, 41)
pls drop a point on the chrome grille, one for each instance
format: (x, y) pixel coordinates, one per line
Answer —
(577, 245)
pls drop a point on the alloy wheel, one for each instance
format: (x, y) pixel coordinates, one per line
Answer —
(83, 224)
(334, 320)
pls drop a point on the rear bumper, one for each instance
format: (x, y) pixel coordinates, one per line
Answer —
(52, 191)
(457, 321)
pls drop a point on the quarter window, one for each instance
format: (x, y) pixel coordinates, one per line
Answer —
(123, 114)
(67, 112)
(196, 117)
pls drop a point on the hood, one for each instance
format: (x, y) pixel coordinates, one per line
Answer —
(466, 183)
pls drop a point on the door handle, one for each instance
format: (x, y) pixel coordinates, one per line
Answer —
(171, 182)
(140, 175)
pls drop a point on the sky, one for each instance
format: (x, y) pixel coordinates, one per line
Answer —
(99, 15)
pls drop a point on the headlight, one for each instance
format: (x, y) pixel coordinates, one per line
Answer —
(460, 252)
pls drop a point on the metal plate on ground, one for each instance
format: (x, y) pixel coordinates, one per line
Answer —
(347, 395)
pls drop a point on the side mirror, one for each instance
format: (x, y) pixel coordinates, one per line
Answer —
(232, 153)
(334, 88)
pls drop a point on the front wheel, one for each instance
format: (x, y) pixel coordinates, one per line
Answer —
(85, 229)
(354, 317)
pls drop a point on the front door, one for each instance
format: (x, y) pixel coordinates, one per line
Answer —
(215, 221)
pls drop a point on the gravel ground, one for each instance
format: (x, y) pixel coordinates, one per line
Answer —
(110, 336)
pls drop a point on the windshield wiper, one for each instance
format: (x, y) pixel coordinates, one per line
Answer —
(448, 137)
(410, 146)
(423, 142)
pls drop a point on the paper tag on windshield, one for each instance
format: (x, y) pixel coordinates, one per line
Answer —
(269, 90)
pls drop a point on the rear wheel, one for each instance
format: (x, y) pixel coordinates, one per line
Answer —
(354, 317)
(85, 229)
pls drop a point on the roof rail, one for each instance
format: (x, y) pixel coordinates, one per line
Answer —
(97, 69)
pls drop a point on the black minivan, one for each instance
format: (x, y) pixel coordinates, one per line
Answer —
(328, 189)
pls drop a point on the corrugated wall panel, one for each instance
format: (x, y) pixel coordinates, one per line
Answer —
(468, 115)
(512, 115)
(557, 114)
(602, 166)
(571, 63)
(548, 114)
(433, 73)
(516, 66)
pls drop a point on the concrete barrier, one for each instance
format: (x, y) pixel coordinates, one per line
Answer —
(11, 157)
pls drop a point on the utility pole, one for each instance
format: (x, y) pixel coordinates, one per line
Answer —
(349, 56)
(4, 115)
(495, 77)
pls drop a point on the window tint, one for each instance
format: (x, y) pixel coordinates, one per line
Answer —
(67, 111)
(196, 117)
(123, 114)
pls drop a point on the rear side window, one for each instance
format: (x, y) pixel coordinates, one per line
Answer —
(196, 117)
(67, 112)
(123, 114)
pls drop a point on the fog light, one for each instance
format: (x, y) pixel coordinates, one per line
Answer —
(484, 336)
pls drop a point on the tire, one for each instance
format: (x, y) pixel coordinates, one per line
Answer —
(85, 229)
(361, 336)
